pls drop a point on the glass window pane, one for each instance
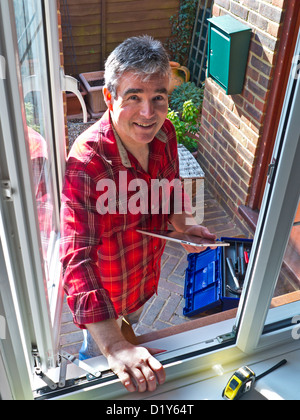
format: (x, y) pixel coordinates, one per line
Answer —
(33, 63)
(288, 284)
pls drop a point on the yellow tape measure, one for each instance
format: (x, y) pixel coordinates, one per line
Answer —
(243, 380)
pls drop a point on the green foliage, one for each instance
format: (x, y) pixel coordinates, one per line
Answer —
(185, 92)
(30, 117)
(182, 28)
(186, 124)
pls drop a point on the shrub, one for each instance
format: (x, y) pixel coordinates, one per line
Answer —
(187, 91)
(185, 125)
(182, 24)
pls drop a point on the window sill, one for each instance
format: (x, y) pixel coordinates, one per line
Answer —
(250, 216)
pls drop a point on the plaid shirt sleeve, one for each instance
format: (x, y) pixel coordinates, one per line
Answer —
(81, 225)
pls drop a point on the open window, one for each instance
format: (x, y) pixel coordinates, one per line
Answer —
(32, 160)
(31, 172)
(274, 258)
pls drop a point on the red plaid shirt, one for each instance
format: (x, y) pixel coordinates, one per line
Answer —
(108, 268)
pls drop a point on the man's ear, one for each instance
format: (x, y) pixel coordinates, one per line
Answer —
(108, 98)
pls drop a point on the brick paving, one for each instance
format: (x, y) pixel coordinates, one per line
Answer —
(166, 308)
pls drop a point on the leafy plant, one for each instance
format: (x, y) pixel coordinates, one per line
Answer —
(30, 117)
(185, 92)
(182, 27)
(186, 124)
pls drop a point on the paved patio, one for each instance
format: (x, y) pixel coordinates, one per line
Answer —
(166, 308)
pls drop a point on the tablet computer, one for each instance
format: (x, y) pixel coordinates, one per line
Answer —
(183, 238)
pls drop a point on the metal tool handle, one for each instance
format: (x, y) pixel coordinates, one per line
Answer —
(232, 272)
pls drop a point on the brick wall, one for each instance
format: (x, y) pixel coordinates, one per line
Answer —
(231, 126)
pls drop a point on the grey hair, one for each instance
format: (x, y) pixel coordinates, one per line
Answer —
(142, 55)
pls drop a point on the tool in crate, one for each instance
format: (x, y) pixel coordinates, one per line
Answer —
(208, 275)
(238, 269)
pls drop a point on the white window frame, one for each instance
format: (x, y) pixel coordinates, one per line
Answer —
(19, 215)
(277, 215)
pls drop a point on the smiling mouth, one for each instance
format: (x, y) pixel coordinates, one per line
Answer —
(145, 125)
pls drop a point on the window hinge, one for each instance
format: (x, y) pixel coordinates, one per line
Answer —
(91, 373)
(64, 358)
(6, 190)
(38, 371)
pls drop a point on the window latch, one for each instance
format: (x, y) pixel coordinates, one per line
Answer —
(6, 190)
(226, 338)
(2, 68)
(271, 170)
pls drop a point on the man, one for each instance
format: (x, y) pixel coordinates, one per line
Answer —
(110, 270)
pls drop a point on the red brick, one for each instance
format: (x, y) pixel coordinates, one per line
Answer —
(261, 66)
(257, 89)
(245, 154)
(249, 97)
(273, 29)
(258, 21)
(256, 48)
(264, 82)
(279, 3)
(233, 119)
(216, 10)
(251, 72)
(253, 112)
(223, 3)
(260, 105)
(239, 11)
(270, 12)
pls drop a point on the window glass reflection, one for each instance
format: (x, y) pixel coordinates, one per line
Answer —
(33, 64)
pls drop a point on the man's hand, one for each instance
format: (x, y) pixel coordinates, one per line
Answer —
(202, 232)
(137, 369)
(179, 222)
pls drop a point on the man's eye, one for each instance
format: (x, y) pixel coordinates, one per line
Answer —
(133, 98)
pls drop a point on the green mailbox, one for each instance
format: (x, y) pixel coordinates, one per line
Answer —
(228, 48)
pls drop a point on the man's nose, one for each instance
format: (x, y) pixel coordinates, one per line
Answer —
(147, 109)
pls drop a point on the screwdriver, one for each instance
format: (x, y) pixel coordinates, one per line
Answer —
(232, 272)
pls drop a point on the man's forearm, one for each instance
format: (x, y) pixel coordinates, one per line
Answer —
(106, 334)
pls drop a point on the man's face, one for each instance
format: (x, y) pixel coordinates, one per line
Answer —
(140, 108)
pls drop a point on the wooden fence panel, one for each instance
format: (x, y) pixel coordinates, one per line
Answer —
(93, 28)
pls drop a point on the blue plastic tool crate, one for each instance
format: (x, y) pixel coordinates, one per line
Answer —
(207, 277)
